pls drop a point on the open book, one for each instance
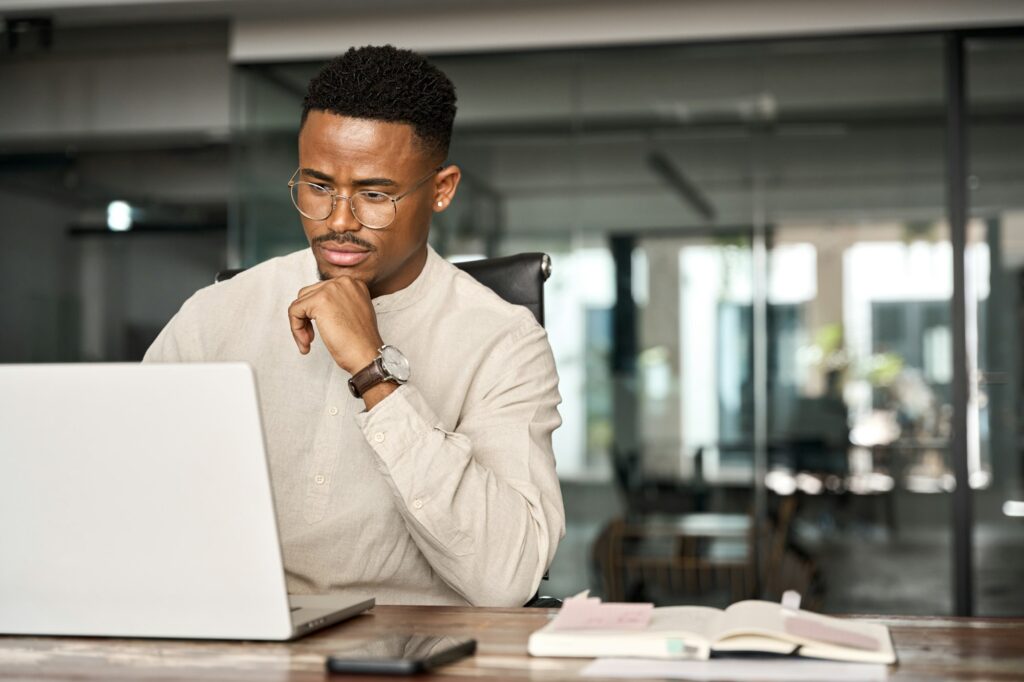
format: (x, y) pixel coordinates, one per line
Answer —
(701, 632)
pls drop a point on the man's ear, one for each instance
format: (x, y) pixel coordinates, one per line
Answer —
(445, 184)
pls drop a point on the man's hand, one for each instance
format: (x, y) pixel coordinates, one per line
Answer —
(345, 317)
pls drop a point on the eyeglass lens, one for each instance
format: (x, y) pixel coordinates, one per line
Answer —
(372, 209)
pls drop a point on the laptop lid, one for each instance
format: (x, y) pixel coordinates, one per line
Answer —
(135, 500)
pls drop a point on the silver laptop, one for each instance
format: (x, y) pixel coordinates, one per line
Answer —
(135, 501)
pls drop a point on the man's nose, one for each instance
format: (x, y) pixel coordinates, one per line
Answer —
(342, 219)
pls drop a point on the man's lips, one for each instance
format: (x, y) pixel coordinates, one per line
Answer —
(345, 255)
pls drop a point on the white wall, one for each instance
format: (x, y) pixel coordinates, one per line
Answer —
(117, 84)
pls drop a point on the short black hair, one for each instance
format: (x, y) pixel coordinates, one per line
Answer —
(384, 83)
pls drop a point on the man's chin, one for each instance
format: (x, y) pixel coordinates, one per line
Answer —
(331, 271)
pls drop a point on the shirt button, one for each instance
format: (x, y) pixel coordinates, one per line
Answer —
(332, 411)
(319, 478)
(417, 504)
(379, 437)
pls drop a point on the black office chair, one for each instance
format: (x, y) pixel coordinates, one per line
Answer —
(518, 279)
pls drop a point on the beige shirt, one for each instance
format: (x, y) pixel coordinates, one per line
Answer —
(445, 492)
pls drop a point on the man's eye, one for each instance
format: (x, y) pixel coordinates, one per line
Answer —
(375, 197)
(318, 189)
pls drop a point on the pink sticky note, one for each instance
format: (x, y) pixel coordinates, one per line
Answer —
(588, 613)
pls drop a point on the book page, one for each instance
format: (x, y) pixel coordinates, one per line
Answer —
(760, 643)
(751, 617)
(698, 620)
(820, 636)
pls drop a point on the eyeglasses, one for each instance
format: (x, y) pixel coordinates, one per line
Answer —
(373, 209)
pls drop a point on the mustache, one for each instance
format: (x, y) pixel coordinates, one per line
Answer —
(343, 238)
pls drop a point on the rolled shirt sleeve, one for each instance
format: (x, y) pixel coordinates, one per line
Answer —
(481, 501)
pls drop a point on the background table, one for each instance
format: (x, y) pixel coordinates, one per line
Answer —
(928, 648)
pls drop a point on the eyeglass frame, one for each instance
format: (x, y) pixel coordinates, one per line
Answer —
(335, 196)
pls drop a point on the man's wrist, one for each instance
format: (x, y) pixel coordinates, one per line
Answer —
(377, 393)
(388, 365)
(360, 360)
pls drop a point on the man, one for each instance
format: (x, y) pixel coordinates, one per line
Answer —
(436, 485)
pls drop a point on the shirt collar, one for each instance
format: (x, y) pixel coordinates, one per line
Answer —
(406, 297)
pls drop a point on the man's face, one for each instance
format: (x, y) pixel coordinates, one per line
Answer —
(352, 154)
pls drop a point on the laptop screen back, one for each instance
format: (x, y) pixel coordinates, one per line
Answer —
(135, 500)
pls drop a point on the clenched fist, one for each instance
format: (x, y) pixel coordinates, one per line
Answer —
(345, 317)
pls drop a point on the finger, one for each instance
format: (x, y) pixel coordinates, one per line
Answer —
(300, 321)
(346, 280)
(352, 288)
(348, 288)
(362, 286)
(310, 289)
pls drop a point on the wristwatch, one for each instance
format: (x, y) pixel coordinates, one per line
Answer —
(389, 365)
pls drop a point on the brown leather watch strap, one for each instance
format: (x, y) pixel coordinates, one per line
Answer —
(367, 378)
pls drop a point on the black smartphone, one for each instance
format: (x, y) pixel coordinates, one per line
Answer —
(401, 655)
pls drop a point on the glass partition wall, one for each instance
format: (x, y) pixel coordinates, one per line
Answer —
(750, 305)
(994, 278)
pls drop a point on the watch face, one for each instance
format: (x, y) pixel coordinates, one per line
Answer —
(395, 363)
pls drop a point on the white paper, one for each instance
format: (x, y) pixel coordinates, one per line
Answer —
(761, 670)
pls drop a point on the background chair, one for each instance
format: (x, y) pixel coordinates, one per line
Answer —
(518, 279)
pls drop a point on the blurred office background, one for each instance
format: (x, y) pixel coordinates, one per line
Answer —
(773, 376)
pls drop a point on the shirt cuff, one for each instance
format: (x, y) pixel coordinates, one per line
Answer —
(397, 423)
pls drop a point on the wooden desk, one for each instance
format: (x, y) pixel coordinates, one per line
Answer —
(928, 648)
